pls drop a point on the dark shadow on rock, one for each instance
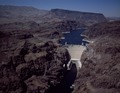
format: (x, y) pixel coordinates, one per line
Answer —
(64, 86)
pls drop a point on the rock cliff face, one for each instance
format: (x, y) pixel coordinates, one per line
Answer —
(83, 17)
(31, 67)
(100, 71)
(29, 61)
(107, 28)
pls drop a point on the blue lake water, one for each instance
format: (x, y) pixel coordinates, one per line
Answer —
(74, 37)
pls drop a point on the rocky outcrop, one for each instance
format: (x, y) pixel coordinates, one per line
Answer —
(83, 17)
(9, 81)
(69, 25)
(100, 71)
(111, 28)
(33, 68)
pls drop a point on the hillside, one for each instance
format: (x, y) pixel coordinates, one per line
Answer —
(83, 17)
(10, 14)
(31, 58)
(101, 61)
(111, 28)
(113, 18)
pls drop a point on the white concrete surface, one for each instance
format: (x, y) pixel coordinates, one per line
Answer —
(76, 51)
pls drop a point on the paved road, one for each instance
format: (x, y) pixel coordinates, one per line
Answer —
(68, 80)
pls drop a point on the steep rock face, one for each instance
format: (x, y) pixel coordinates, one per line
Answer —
(83, 17)
(9, 81)
(100, 71)
(69, 25)
(111, 28)
(32, 68)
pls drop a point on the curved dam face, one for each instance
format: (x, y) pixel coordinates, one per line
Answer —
(76, 51)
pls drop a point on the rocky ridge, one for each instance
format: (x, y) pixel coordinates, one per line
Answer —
(83, 17)
(100, 71)
(31, 68)
(29, 58)
(10, 14)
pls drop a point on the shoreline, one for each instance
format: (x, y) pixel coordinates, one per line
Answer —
(89, 41)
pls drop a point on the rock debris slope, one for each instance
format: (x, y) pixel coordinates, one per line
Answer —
(100, 72)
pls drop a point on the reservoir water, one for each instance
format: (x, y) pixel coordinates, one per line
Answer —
(74, 38)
